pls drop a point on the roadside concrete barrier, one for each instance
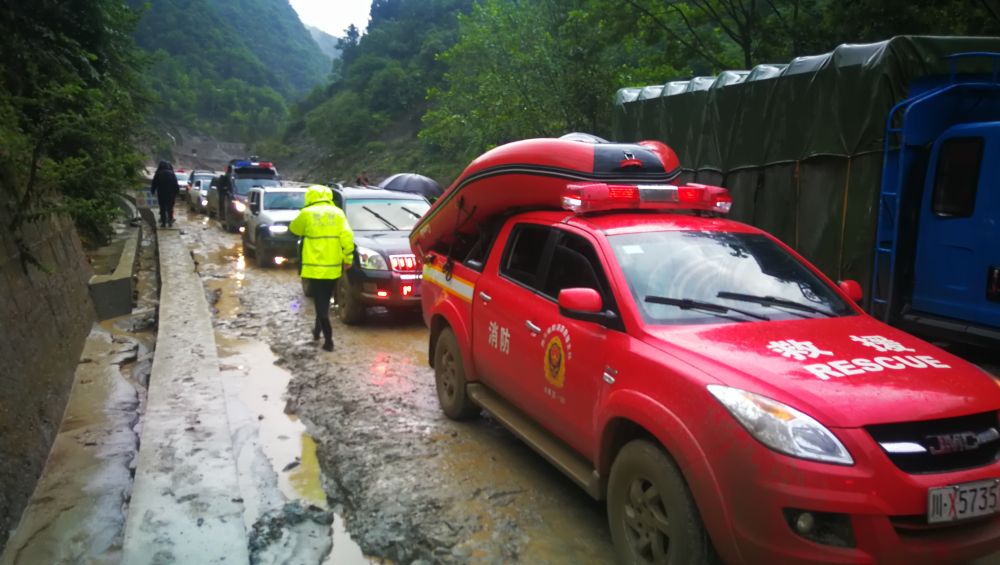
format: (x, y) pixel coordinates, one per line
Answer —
(113, 294)
(186, 506)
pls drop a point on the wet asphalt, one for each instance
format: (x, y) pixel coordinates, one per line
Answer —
(359, 431)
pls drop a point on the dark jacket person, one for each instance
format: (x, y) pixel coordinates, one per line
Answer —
(165, 189)
(327, 249)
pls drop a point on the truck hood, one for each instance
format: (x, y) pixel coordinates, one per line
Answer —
(390, 242)
(282, 216)
(845, 372)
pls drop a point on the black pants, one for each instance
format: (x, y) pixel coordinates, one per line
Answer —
(322, 290)
(166, 208)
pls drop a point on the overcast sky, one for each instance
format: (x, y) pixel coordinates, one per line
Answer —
(333, 16)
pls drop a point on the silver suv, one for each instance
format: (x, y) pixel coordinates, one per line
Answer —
(269, 211)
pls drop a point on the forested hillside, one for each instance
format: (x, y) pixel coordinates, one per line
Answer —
(369, 115)
(328, 44)
(228, 67)
(71, 107)
(484, 72)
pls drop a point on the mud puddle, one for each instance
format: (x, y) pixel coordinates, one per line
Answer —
(280, 476)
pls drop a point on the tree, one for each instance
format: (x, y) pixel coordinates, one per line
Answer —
(71, 105)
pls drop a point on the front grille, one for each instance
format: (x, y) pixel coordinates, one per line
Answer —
(404, 263)
(938, 446)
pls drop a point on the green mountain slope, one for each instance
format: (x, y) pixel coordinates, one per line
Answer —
(327, 43)
(227, 68)
(271, 29)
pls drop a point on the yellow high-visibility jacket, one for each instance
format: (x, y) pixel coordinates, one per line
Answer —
(327, 239)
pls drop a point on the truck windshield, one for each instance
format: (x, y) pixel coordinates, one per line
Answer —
(669, 271)
(284, 200)
(243, 185)
(384, 213)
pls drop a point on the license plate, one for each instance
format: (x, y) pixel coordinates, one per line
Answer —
(966, 500)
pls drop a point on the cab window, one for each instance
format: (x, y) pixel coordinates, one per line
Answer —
(574, 264)
(957, 177)
(522, 258)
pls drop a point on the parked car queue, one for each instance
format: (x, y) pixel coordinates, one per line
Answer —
(389, 275)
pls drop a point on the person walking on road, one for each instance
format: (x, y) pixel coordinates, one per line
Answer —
(165, 189)
(327, 251)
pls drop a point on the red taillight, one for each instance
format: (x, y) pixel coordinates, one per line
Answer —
(405, 263)
(407, 289)
(382, 293)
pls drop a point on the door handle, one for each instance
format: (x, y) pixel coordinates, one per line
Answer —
(486, 297)
(532, 327)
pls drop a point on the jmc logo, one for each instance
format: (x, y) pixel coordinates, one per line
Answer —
(952, 443)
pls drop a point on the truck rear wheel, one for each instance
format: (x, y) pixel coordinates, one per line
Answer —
(652, 516)
(449, 378)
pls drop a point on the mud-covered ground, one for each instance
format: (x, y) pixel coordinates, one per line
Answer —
(412, 485)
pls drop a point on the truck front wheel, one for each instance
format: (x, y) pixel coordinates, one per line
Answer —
(449, 378)
(652, 516)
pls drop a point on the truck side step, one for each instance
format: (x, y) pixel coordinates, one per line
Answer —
(541, 440)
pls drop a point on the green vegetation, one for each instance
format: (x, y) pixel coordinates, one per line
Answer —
(483, 72)
(71, 108)
(378, 93)
(228, 67)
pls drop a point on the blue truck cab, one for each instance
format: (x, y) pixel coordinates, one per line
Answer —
(937, 256)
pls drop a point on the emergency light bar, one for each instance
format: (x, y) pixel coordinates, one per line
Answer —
(595, 197)
(264, 164)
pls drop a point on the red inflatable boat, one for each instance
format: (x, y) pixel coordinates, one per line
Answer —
(534, 174)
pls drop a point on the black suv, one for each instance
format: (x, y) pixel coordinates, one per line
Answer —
(242, 175)
(385, 273)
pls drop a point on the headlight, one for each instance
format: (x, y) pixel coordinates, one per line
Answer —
(277, 228)
(372, 260)
(240, 207)
(781, 427)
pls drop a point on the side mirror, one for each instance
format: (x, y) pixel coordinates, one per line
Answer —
(254, 208)
(852, 289)
(474, 265)
(584, 304)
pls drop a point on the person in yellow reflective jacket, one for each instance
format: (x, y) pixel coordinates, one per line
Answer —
(327, 250)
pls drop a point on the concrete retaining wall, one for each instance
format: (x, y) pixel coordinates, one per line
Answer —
(44, 321)
(113, 294)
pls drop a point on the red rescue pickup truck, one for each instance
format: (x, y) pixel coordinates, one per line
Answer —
(723, 395)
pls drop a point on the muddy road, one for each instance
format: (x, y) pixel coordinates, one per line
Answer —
(405, 482)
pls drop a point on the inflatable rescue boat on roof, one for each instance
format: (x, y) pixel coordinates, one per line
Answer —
(533, 174)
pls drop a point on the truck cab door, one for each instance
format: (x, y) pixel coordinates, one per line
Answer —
(957, 263)
(568, 361)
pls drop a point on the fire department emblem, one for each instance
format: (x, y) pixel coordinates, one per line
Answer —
(555, 362)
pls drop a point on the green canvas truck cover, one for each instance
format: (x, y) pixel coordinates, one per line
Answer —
(799, 145)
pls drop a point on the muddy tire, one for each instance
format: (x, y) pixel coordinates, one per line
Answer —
(247, 250)
(264, 258)
(449, 378)
(349, 309)
(652, 516)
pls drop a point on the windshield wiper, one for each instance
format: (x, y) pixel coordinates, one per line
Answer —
(774, 301)
(688, 304)
(379, 216)
(415, 215)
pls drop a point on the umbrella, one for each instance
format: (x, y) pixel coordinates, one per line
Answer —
(414, 184)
